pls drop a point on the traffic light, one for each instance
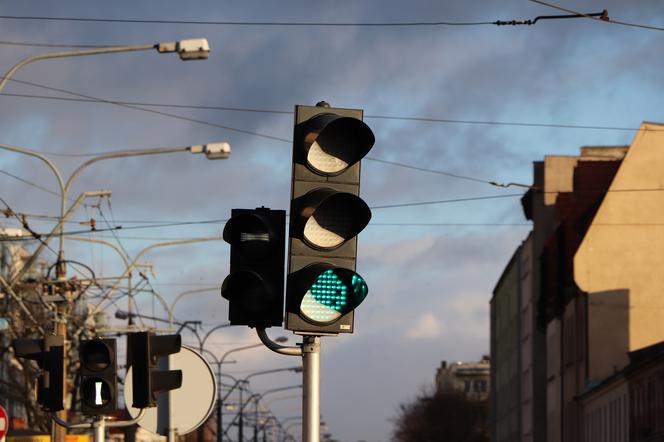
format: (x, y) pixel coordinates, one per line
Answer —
(326, 215)
(99, 378)
(49, 355)
(147, 382)
(255, 284)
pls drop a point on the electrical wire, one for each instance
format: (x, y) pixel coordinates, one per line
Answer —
(219, 221)
(171, 223)
(30, 183)
(607, 20)
(249, 23)
(35, 235)
(274, 138)
(423, 119)
(424, 169)
(113, 232)
(152, 111)
(456, 200)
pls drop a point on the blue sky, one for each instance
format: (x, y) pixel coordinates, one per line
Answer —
(429, 286)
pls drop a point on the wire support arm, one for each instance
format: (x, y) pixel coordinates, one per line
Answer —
(604, 15)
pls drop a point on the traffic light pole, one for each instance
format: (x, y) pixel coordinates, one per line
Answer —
(310, 352)
(311, 388)
(98, 425)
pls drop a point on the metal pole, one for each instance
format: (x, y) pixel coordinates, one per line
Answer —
(220, 408)
(311, 386)
(256, 419)
(172, 432)
(220, 431)
(99, 427)
(240, 436)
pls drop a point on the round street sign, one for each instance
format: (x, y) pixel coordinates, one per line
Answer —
(4, 422)
(191, 404)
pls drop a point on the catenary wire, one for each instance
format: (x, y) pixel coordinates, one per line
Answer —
(369, 158)
(35, 236)
(219, 221)
(250, 23)
(30, 183)
(423, 119)
(152, 111)
(169, 223)
(161, 224)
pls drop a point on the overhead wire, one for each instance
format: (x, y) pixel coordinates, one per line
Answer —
(30, 183)
(424, 119)
(113, 231)
(317, 24)
(373, 207)
(250, 23)
(368, 158)
(455, 200)
(152, 111)
(35, 236)
(219, 221)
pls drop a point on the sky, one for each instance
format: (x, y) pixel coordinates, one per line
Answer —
(503, 97)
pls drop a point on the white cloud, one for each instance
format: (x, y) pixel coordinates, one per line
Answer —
(427, 327)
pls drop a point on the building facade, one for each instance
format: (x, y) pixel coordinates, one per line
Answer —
(506, 369)
(645, 378)
(469, 378)
(595, 251)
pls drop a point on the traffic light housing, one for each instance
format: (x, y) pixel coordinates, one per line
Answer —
(99, 379)
(147, 382)
(49, 355)
(326, 215)
(254, 286)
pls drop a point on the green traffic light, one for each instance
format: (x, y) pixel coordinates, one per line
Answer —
(334, 293)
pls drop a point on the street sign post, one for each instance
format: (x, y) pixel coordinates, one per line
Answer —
(4, 423)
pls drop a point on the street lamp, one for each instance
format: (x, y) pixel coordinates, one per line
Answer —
(65, 186)
(220, 398)
(258, 396)
(191, 292)
(190, 49)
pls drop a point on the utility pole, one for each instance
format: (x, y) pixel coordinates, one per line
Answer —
(59, 433)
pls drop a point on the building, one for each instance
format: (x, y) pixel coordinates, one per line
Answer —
(505, 307)
(606, 410)
(645, 379)
(533, 359)
(470, 378)
(595, 251)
